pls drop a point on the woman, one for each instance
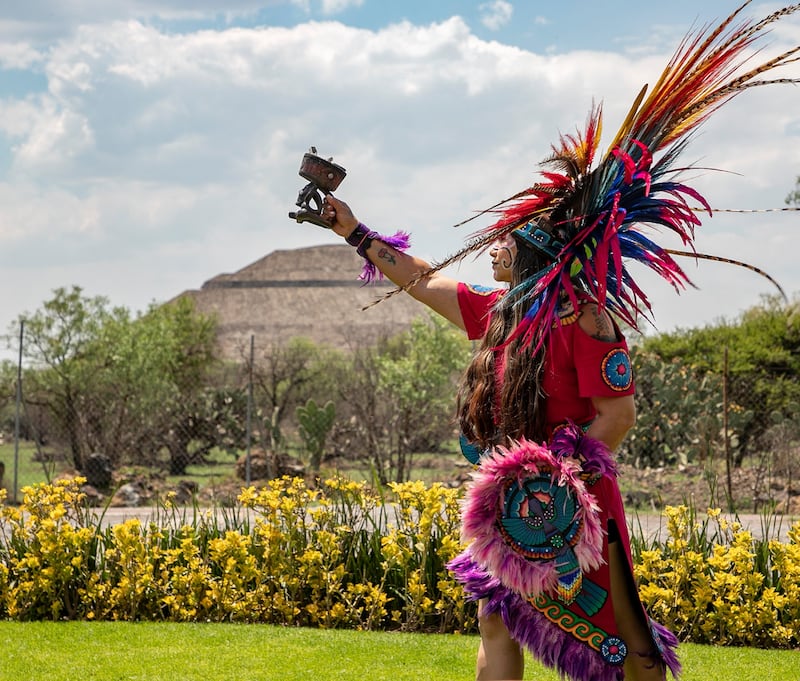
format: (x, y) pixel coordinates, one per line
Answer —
(568, 378)
(549, 555)
(523, 408)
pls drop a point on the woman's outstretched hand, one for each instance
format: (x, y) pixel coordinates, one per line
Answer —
(344, 222)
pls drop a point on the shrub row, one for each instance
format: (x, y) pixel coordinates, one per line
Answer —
(334, 557)
(712, 582)
(342, 556)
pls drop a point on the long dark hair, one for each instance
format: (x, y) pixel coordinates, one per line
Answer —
(485, 417)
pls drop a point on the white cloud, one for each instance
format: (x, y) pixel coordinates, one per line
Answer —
(47, 138)
(330, 7)
(496, 14)
(17, 117)
(56, 139)
(18, 55)
(156, 160)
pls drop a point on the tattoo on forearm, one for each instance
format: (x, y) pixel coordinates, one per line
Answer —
(387, 256)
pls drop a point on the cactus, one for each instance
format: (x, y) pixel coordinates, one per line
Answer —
(315, 425)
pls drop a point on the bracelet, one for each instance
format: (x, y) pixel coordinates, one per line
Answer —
(361, 237)
(357, 235)
(363, 247)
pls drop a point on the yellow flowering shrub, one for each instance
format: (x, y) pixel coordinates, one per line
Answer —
(3, 565)
(48, 553)
(234, 571)
(423, 537)
(712, 582)
(130, 584)
(344, 555)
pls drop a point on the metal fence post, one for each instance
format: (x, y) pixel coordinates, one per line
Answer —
(725, 432)
(16, 415)
(250, 408)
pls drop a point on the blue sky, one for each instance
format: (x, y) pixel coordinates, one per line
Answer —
(550, 26)
(148, 145)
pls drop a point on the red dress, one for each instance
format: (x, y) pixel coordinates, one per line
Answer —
(577, 368)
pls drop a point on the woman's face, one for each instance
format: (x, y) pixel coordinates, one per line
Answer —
(503, 253)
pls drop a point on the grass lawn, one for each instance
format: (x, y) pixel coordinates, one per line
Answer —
(220, 467)
(29, 471)
(46, 651)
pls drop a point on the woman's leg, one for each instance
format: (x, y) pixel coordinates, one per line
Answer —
(499, 656)
(642, 662)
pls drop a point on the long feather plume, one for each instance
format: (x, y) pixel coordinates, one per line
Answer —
(786, 209)
(602, 212)
(730, 261)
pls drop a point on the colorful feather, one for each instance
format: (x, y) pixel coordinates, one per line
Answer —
(730, 261)
(601, 211)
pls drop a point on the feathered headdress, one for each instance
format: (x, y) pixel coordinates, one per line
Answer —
(592, 218)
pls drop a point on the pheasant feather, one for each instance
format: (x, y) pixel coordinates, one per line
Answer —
(601, 212)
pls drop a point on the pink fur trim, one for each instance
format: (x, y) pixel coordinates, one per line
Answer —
(482, 510)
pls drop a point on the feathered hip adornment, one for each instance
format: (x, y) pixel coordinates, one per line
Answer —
(530, 520)
(535, 543)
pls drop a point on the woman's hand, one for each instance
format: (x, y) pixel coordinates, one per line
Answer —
(344, 222)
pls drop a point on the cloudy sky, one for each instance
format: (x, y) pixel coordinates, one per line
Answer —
(149, 145)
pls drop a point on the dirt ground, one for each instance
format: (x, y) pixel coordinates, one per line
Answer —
(649, 489)
(752, 490)
(643, 489)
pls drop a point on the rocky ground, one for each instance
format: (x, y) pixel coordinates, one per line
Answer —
(751, 489)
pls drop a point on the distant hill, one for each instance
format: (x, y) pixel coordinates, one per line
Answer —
(307, 292)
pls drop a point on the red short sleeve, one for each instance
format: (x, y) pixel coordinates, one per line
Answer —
(604, 369)
(476, 303)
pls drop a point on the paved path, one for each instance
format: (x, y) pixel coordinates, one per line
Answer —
(653, 525)
(649, 525)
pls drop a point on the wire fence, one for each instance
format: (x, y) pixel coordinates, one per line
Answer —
(94, 424)
(728, 423)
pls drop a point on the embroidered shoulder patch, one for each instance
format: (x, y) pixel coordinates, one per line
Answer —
(480, 289)
(616, 368)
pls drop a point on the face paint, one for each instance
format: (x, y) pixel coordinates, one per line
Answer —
(503, 253)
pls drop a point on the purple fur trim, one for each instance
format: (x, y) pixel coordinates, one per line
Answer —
(549, 644)
(570, 440)
(483, 502)
(476, 581)
(399, 241)
(667, 644)
(554, 647)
